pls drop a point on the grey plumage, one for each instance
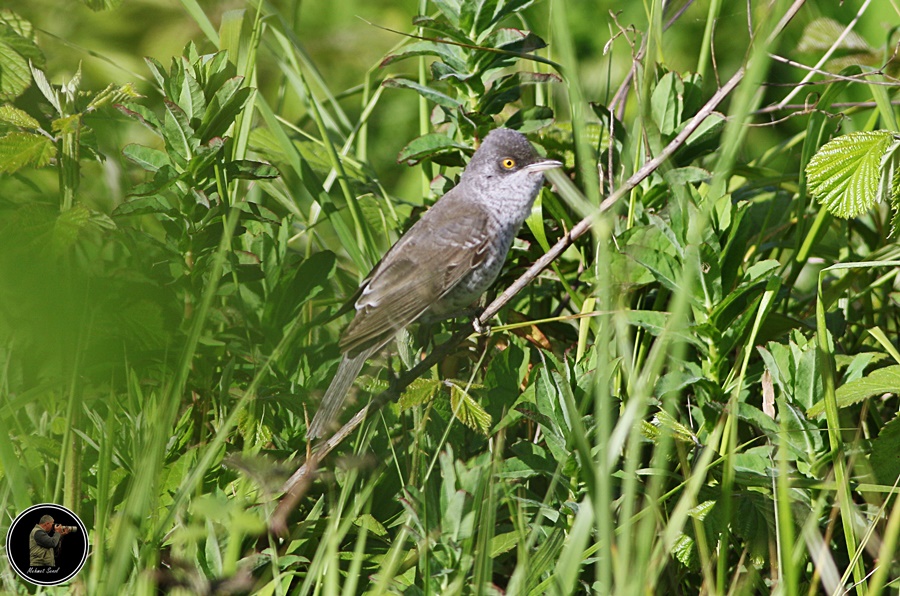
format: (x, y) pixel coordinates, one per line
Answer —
(446, 261)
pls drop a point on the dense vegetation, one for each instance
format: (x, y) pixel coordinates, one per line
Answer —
(697, 393)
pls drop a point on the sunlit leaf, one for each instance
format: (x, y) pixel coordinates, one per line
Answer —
(20, 149)
(878, 382)
(469, 411)
(845, 174)
(13, 116)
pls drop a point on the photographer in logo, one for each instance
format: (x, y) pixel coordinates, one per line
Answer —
(47, 544)
(45, 541)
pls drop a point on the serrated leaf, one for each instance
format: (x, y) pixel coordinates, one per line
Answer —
(420, 391)
(20, 149)
(845, 174)
(878, 382)
(17, 48)
(468, 411)
(15, 117)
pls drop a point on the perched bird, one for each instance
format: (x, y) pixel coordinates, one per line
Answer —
(446, 260)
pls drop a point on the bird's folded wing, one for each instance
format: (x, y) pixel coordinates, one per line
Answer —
(429, 261)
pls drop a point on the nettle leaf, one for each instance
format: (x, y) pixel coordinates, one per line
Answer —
(20, 149)
(851, 173)
(469, 411)
(878, 382)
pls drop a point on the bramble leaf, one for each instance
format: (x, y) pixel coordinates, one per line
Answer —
(851, 173)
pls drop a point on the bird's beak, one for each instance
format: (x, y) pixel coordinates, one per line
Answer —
(544, 164)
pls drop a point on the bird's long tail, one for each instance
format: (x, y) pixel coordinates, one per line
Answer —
(330, 407)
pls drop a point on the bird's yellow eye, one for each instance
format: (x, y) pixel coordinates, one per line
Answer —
(508, 163)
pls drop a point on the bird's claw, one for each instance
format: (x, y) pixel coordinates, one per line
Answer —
(479, 328)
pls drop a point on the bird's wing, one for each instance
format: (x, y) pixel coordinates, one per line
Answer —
(426, 263)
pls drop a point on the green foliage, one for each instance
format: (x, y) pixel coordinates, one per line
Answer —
(17, 50)
(645, 417)
(471, 82)
(853, 172)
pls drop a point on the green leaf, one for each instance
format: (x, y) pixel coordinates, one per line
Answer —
(149, 159)
(450, 9)
(885, 457)
(246, 169)
(442, 26)
(469, 411)
(879, 382)
(428, 146)
(17, 48)
(849, 174)
(428, 93)
(452, 55)
(15, 117)
(420, 391)
(142, 206)
(142, 115)
(20, 149)
(666, 103)
(113, 94)
(224, 108)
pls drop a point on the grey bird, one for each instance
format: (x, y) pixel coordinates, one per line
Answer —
(446, 260)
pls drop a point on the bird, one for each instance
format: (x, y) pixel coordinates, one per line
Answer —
(444, 262)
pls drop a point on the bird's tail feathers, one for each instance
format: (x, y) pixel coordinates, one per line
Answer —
(330, 407)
